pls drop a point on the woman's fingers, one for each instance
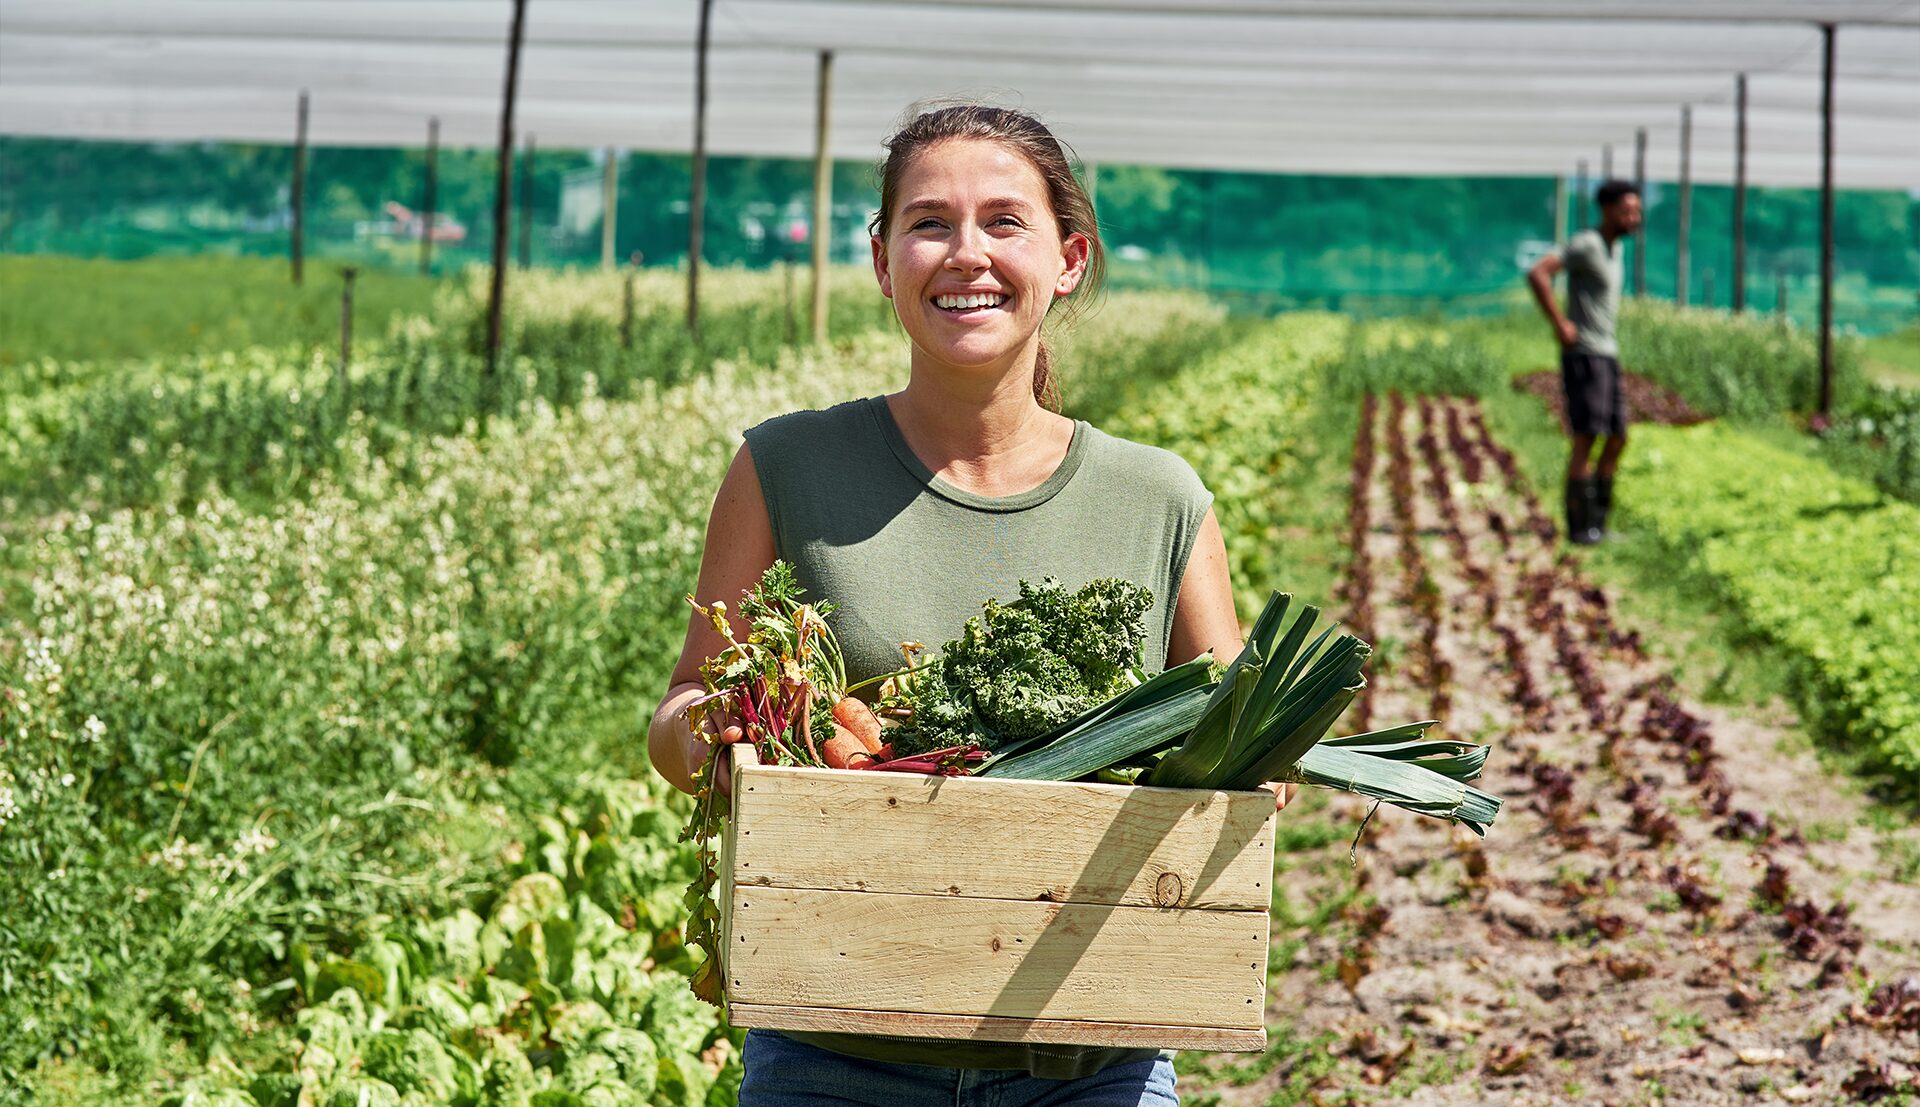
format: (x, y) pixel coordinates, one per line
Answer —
(1282, 794)
(723, 771)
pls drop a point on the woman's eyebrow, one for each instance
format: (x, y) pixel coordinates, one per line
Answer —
(934, 203)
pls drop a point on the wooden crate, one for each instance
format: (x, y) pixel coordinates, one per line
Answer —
(1003, 910)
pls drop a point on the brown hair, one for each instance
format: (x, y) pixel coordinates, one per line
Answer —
(1028, 137)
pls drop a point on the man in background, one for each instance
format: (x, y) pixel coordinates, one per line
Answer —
(1589, 356)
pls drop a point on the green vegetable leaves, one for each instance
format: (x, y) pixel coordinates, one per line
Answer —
(1021, 669)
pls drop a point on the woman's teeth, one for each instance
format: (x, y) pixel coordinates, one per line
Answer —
(963, 303)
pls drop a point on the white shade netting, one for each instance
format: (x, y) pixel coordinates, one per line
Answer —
(1413, 87)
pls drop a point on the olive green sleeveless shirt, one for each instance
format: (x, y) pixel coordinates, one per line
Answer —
(907, 557)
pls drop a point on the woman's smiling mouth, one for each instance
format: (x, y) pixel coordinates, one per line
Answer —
(963, 304)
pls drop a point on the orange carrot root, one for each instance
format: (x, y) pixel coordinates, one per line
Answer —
(845, 750)
(860, 719)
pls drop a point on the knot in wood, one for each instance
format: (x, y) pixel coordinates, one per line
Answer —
(1168, 890)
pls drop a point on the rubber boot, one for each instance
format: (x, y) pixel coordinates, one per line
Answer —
(1580, 510)
(1602, 504)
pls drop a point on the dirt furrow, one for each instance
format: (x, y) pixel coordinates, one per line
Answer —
(1647, 921)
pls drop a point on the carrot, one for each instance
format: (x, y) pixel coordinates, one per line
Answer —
(845, 750)
(860, 719)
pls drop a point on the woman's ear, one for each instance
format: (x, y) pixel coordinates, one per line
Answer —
(1074, 251)
(880, 267)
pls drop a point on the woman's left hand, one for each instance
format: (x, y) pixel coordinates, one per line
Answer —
(1282, 794)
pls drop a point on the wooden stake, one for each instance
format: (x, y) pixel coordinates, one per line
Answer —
(1560, 208)
(786, 280)
(1740, 194)
(822, 199)
(626, 311)
(526, 206)
(427, 212)
(1686, 205)
(300, 190)
(609, 207)
(1640, 236)
(346, 320)
(503, 198)
(699, 204)
(1826, 222)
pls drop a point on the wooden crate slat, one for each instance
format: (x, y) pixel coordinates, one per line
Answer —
(979, 1028)
(1013, 839)
(946, 955)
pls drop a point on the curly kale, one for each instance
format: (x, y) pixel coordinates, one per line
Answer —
(1023, 668)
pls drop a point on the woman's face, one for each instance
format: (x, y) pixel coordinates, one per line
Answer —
(974, 257)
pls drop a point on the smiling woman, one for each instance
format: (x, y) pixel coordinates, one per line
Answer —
(957, 212)
(907, 510)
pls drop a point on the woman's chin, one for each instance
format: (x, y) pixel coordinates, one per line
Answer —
(970, 358)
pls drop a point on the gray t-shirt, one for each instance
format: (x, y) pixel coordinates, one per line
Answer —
(1594, 277)
(908, 557)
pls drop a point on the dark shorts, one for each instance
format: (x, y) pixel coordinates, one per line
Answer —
(1596, 404)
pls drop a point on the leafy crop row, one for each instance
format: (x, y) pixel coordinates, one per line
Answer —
(1241, 417)
(1821, 563)
(1745, 366)
(262, 420)
(227, 732)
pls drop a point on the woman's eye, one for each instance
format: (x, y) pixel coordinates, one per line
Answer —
(925, 224)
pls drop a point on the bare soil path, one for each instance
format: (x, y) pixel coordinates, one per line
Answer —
(1676, 904)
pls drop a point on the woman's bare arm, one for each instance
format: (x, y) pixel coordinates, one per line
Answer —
(1203, 615)
(739, 549)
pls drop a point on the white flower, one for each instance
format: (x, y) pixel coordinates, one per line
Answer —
(94, 728)
(255, 840)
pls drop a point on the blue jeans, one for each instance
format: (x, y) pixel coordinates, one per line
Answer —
(782, 1072)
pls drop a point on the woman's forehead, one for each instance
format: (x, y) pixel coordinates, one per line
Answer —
(970, 168)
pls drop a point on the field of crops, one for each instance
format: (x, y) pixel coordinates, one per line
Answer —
(323, 687)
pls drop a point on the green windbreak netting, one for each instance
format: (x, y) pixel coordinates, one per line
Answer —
(1367, 245)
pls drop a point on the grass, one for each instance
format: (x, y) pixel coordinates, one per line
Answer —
(84, 309)
(1894, 358)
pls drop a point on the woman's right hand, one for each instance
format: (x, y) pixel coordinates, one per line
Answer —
(678, 750)
(723, 772)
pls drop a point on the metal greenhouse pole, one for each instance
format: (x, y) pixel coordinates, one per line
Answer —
(1686, 205)
(503, 196)
(1640, 236)
(1740, 194)
(699, 201)
(822, 200)
(299, 197)
(426, 207)
(1826, 221)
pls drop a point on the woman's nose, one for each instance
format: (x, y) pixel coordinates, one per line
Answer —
(969, 251)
